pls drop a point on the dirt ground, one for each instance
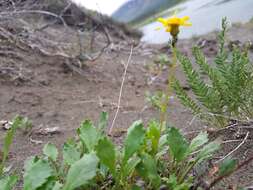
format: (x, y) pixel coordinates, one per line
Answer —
(44, 89)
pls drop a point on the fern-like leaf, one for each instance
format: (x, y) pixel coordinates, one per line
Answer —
(216, 78)
(204, 93)
(185, 99)
(227, 93)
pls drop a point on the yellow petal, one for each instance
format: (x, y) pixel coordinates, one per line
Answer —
(174, 21)
(158, 28)
(163, 21)
(185, 18)
(186, 24)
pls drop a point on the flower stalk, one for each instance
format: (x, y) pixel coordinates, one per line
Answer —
(172, 26)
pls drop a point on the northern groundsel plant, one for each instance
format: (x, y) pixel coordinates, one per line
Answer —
(172, 25)
(162, 99)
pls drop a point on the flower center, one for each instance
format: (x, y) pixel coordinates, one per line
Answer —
(174, 30)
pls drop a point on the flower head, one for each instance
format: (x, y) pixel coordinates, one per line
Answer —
(172, 24)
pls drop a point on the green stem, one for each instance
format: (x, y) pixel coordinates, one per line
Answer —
(169, 89)
(189, 168)
(55, 167)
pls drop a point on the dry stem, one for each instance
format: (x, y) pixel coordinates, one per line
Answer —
(121, 90)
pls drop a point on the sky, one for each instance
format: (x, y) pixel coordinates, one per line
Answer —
(104, 6)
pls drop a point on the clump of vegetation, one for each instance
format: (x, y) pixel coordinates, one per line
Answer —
(7, 181)
(227, 94)
(148, 159)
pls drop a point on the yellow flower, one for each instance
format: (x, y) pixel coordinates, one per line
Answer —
(172, 24)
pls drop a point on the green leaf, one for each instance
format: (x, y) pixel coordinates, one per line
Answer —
(70, 153)
(153, 133)
(36, 173)
(185, 99)
(227, 167)
(48, 185)
(199, 87)
(26, 124)
(107, 155)
(148, 169)
(162, 146)
(57, 186)
(207, 151)
(177, 144)
(162, 142)
(156, 99)
(8, 182)
(50, 151)
(135, 187)
(134, 139)
(130, 166)
(29, 162)
(81, 172)
(198, 141)
(103, 121)
(103, 170)
(173, 183)
(89, 135)
(9, 139)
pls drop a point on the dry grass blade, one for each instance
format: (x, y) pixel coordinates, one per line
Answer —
(121, 90)
(230, 153)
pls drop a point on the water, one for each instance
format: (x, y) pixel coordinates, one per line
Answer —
(205, 16)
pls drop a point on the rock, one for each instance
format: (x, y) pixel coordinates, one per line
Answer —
(48, 131)
(6, 125)
(35, 141)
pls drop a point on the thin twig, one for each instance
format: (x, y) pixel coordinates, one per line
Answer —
(193, 119)
(192, 132)
(121, 90)
(218, 179)
(53, 23)
(227, 127)
(229, 117)
(106, 46)
(13, 5)
(34, 12)
(230, 153)
(65, 9)
(96, 55)
(232, 141)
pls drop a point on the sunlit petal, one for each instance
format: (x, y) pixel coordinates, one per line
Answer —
(163, 21)
(185, 18)
(158, 28)
(174, 21)
(172, 24)
(187, 24)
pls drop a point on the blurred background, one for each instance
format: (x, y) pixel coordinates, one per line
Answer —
(142, 14)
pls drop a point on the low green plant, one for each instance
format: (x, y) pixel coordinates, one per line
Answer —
(93, 161)
(162, 60)
(8, 181)
(157, 100)
(227, 93)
